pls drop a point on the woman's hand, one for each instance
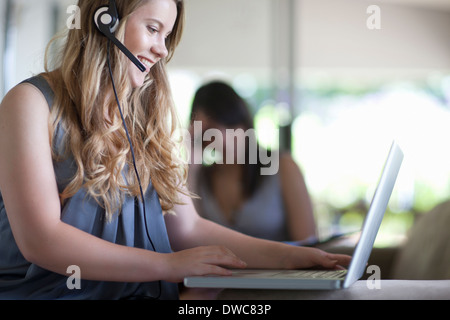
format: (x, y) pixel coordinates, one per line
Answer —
(208, 260)
(305, 258)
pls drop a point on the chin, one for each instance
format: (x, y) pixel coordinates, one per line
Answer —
(137, 82)
(137, 78)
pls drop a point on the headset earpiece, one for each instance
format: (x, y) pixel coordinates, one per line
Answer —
(107, 21)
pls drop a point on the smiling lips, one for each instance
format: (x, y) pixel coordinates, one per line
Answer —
(146, 62)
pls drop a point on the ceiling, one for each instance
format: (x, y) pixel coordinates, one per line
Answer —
(432, 4)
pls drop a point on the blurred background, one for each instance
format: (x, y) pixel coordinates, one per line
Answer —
(329, 80)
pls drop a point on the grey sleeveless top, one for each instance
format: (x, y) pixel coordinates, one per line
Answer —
(262, 216)
(20, 279)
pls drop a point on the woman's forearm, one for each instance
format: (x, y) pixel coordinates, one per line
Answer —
(188, 230)
(257, 253)
(97, 259)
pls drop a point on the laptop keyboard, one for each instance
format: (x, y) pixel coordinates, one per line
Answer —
(314, 274)
(291, 274)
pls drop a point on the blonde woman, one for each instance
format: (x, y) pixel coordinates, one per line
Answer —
(70, 197)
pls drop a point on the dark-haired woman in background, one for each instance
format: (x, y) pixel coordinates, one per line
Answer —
(276, 206)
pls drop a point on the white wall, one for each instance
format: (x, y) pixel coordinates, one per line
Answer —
(412, 41)
(332, 35)
(33, 33)
(232, 33)
(33, 29)
(238, 35)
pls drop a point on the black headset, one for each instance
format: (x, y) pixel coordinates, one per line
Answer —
(106, 19)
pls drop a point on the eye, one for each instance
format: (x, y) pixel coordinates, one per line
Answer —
(152, 29)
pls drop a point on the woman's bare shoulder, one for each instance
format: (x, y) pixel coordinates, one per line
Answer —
(21, 97)
(23, 107)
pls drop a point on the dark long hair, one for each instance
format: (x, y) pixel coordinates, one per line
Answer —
(221, 103)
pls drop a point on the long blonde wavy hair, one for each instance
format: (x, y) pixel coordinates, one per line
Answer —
(87, 110)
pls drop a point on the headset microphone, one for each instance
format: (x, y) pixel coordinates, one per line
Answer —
(107, 20)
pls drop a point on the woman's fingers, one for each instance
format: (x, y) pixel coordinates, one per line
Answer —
(313, 257)
(333, 261)
(212, 260)
(221, 256)
(342, 259)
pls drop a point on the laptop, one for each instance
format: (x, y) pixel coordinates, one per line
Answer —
(318, 279)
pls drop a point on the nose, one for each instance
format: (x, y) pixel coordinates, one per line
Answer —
(159, 48)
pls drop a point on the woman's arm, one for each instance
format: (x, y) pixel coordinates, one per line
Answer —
(30, 193)
(31, 198)
(188, 230)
